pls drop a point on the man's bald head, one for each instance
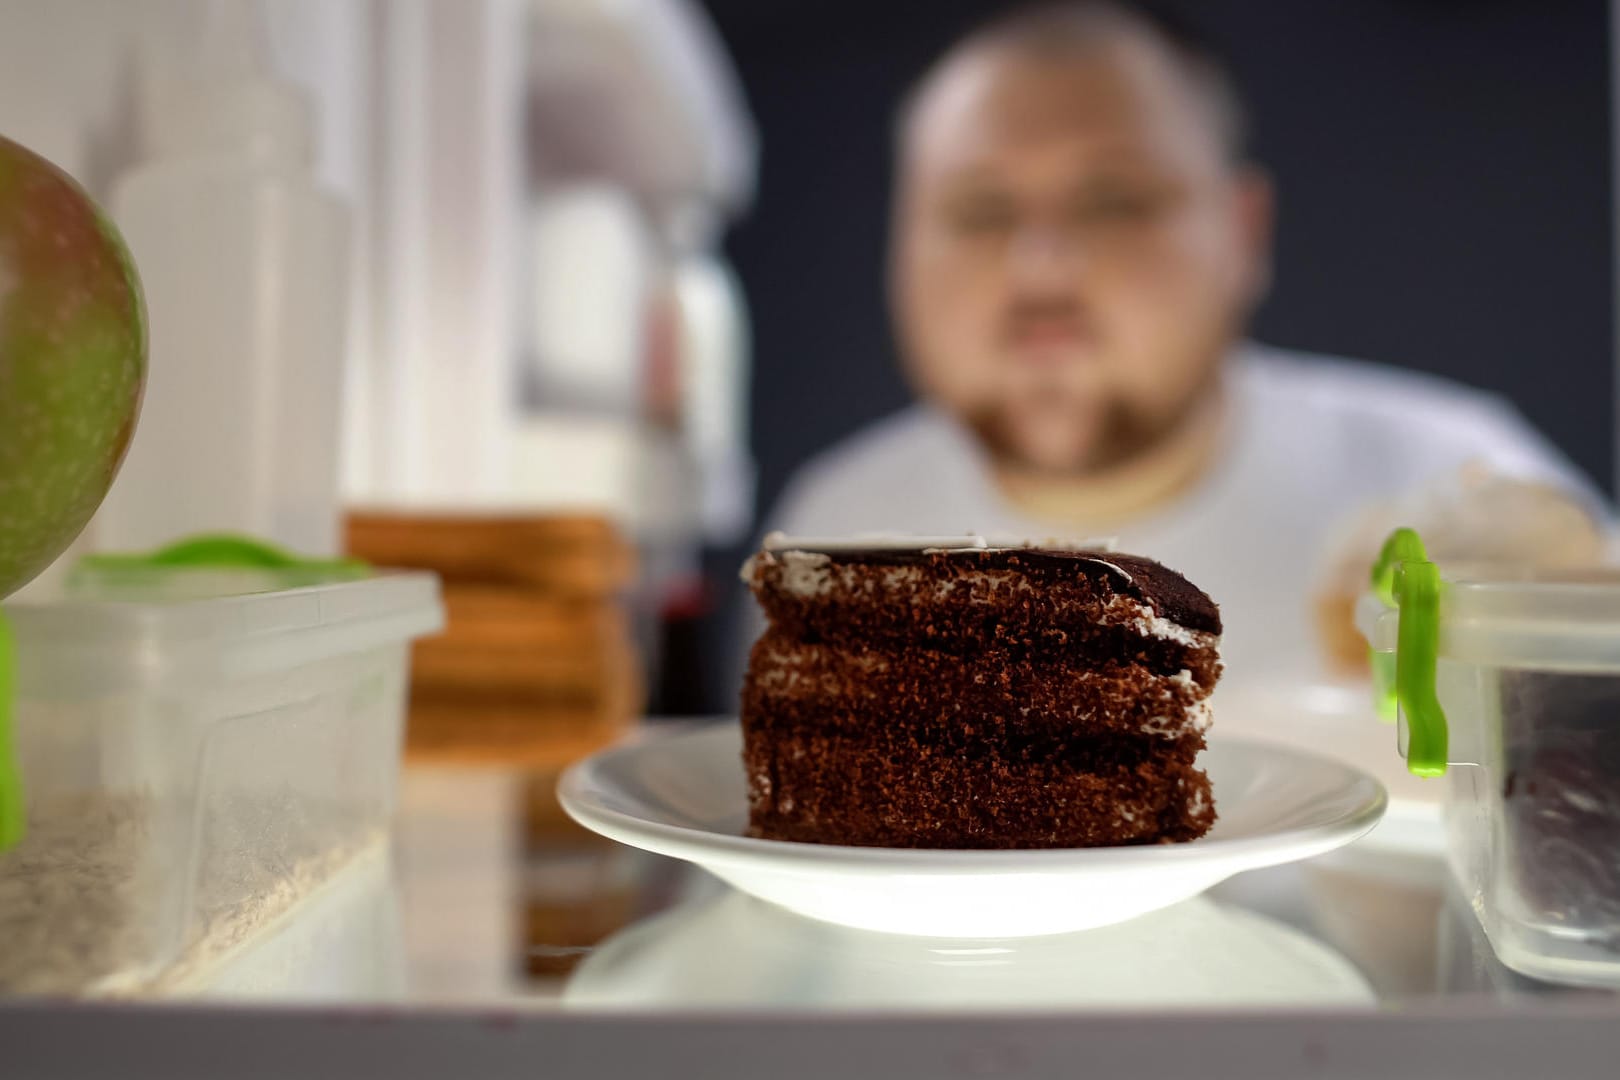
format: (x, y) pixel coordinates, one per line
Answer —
(1078, 236)
(1075, 32)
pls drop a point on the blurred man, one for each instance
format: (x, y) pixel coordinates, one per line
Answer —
(1079, 241)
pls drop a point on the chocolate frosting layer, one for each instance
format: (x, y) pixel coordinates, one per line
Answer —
(1142, 579)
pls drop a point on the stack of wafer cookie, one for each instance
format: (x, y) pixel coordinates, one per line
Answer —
(537, 666)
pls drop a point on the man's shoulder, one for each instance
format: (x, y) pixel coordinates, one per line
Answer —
(900, 442)
(1366, 400)
(1412, 422)
(862, 474)
(1340, 384)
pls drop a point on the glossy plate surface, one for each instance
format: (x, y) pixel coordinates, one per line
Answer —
(682, 794)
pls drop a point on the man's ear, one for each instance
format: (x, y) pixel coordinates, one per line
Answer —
(1257, 211)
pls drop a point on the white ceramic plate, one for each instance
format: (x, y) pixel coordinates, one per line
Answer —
(1338, 721)
(682, 794)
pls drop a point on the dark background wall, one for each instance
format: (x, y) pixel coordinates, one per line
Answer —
(1442, 165)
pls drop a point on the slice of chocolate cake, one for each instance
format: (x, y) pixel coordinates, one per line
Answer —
(955, 694)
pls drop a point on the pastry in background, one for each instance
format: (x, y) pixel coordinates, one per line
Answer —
(537, 665)
(1473, 517)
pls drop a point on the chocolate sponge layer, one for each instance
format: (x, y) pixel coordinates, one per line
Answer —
(999, 690)
(883, 789)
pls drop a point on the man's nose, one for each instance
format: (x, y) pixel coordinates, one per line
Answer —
(1045, 254)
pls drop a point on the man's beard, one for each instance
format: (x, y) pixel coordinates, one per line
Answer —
(1119, 433)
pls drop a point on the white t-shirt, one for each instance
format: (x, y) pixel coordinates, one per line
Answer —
(1311, 439)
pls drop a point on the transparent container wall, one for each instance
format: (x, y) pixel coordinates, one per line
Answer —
(166, 830)
(1534, 820)
(95, 894)
(195, 769)
(296, 780)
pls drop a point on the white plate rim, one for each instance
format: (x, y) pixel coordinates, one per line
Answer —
(719, 848)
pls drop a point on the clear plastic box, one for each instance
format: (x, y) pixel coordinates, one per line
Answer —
(194, 767)
(1526, 675)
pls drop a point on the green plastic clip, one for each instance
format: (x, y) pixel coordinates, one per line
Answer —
(13, 810)
(1405, 579)
(226, 552)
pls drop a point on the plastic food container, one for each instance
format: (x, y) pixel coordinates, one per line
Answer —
(1508, 684)
(194, 767)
